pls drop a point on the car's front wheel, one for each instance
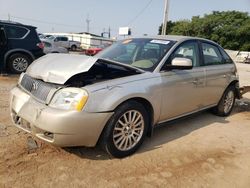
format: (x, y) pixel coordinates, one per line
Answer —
(226, 104)
(126, 129)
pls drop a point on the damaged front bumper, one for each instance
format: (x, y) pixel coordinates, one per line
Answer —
(58, 127)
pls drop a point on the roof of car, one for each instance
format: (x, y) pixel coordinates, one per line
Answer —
(175, 38)
(15, 23)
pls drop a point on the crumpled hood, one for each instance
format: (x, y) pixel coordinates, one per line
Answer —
(58, 68)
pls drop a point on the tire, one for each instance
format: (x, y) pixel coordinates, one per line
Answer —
(121, 138)
(18, 63)
(226, 104)
(73, 47)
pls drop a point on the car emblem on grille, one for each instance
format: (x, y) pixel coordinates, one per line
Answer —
(34, 86)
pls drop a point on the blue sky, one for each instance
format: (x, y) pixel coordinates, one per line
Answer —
(70, 16)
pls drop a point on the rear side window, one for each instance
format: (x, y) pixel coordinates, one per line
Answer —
(211, 54)
(226, 57)
(15, 32)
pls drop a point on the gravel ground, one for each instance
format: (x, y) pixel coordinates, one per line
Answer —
(200, 151)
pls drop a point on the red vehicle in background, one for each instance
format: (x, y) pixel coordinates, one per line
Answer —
(95, 50)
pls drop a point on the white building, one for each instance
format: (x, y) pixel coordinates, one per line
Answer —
(87, 40)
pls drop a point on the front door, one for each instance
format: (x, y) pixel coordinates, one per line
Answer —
(183, 89)
(57, 41)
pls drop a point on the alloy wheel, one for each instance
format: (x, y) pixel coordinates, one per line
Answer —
(229, 101)
(20, 64)
(128, 130)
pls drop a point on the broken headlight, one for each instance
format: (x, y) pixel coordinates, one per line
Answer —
(70, 99)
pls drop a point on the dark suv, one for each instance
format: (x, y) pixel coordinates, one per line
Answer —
(19, 46)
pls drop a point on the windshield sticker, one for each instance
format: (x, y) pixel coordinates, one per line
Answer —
(126, 41)
(160, 41)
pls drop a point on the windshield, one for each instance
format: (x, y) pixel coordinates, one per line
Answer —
(51, 37)
(140, 53)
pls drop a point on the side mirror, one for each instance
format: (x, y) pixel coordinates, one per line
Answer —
(3, 37)
(180, 63)
(56, 40)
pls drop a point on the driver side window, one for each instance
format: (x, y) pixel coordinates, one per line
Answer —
(189, 50)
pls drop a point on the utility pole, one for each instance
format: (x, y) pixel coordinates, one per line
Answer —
(9, 17)
(165, 18)
(109, 32)
(106, 32)
(88, 21)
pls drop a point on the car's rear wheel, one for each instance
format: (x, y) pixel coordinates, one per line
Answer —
(18, 63)
(226, 104)
(126, 130)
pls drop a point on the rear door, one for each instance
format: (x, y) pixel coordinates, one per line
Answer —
(3, 47)
(218, 72)
(17, 36)
(183, 90)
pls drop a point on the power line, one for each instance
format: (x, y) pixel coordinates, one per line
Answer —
(48, 23)
(140, 13)
(45, 22)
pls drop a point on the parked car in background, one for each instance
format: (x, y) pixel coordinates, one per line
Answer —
(243, 57)
(247, 60)
(95, 50)
(50, 47)
(65, 42)
(117, 97)
(20, 45)
(42, 36)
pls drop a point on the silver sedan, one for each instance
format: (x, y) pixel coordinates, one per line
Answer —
(117, 97)
(50, 47)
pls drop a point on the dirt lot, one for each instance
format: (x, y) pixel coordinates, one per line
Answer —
(200, 151)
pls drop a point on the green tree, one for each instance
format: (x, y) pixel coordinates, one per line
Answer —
(231, 29)
(170, 25)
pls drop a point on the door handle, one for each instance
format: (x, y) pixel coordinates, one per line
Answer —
(197, 82)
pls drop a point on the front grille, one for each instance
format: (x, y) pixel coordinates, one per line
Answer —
(37, 88)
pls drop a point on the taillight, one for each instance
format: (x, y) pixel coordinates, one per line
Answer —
(40, 45)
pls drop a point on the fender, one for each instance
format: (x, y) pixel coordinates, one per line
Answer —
(109, 98)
